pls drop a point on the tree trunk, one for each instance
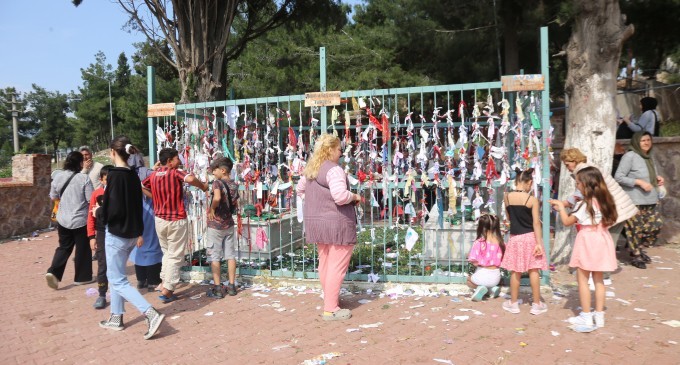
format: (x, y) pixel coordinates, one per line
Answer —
(593, 54)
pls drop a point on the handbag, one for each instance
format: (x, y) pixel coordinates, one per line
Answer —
(55, 208)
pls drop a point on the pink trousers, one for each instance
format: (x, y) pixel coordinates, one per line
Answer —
(333, 262)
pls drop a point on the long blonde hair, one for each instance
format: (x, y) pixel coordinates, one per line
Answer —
(323, 149)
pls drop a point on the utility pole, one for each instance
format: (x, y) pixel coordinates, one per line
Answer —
(15, 123)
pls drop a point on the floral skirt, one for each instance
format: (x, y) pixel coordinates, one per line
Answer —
(643, 228)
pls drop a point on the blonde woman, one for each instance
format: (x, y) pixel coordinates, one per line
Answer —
(330, 220)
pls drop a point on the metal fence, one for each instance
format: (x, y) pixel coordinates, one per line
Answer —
(427, 160)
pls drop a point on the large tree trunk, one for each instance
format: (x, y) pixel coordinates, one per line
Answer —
(593, 56)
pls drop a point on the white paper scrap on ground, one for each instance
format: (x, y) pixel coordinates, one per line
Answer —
(174, 317)
(277, 348)
(611, 294)
(208, 314)
(442, 361)
(405, 318)
(371, 325)
(461, 318)
(476, 312)
(664, 268)
(364, 301)
(625, 302)
(639, 309)
(260, 295)
(353, 330)
(673, 323)
(606, 281)
(417, 306)
(554, 333)
(672, 342)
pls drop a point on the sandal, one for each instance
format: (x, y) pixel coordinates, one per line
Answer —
(638, 262)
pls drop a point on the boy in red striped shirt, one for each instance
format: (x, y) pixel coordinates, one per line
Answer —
(167, 189)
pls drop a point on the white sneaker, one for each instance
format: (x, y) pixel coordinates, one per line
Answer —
(511, 307)
(52, 281)
(599, 319)
(583, 319)
(539, 308)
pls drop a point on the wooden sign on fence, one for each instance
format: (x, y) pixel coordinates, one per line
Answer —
(160, 110)
(522, 82)
(324, 98)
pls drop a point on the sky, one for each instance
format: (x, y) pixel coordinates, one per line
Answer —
(47, 42)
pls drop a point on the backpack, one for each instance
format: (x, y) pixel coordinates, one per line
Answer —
(233, 208)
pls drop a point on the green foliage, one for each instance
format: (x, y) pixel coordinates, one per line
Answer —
(654, 38)
(670, 128)
(48, 113)
(92, 111)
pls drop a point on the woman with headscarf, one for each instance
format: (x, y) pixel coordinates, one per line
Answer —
(637, 176)
(648, 121)
(149, 256)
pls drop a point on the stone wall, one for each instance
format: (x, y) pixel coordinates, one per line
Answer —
(25, 204)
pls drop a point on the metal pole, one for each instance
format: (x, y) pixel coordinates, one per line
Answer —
(322, 76)
(110, 110)
(545, 119)
(15, 124)
(150, 96)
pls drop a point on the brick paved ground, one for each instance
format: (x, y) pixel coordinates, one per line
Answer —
(40, 325)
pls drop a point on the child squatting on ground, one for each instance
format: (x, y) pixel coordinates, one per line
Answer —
(524, 251)
(594, 251)
(486, 253)
(221, 235)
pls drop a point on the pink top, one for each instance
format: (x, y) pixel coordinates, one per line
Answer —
(336, 184)
(485, 253)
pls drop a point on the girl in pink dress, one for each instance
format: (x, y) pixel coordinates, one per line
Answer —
(594, 251)
(486, 253)
(524, 251)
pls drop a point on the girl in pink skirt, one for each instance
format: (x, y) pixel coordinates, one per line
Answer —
(594, 251)
(524, 251)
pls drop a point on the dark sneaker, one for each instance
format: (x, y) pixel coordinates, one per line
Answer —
(100, 303)
(215, 293)
(153, 320)
(84, 282)
(52, 281)
(231, 289)
(115, 323)
(141, 284)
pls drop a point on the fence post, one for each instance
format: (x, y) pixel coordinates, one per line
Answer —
(150, 96)
(322, 85)
(545, 174)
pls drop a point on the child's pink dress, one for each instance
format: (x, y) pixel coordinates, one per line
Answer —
(594, 249)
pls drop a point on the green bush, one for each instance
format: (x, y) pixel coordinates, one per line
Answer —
(670, 128)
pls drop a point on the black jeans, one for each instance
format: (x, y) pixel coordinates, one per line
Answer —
(68, 238)
(151, 275)
(102, 281)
